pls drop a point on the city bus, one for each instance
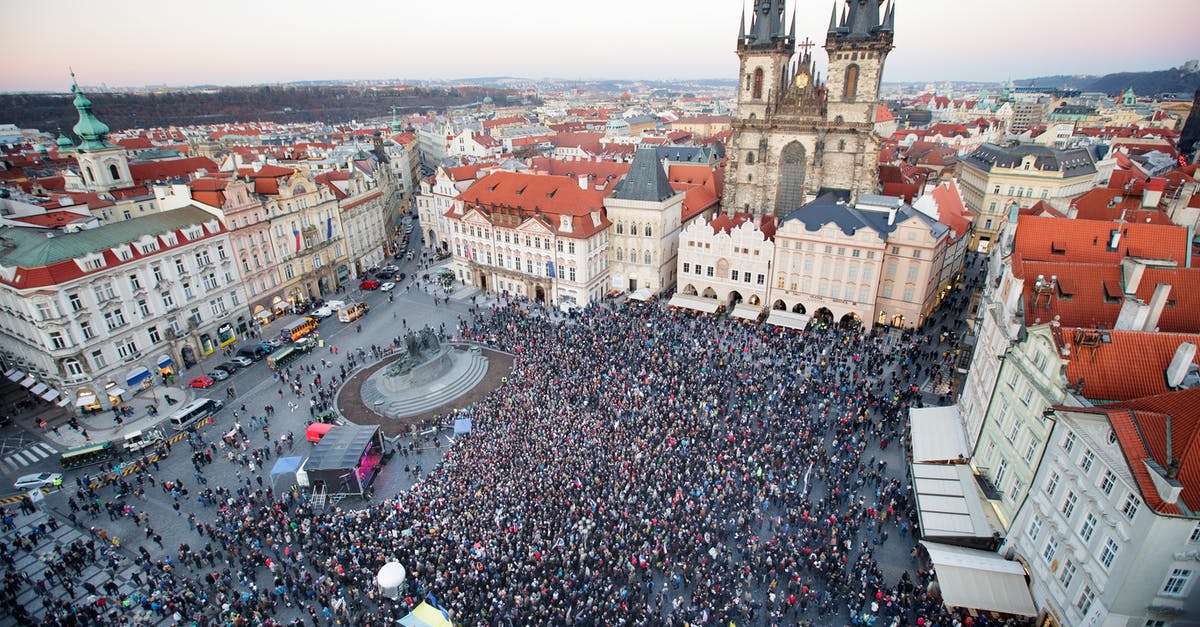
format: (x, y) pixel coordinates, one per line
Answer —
(195, 410)
(88, 455)
(298, 329)
(281, 357)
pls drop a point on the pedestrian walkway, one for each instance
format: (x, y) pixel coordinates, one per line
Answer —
(29, 455)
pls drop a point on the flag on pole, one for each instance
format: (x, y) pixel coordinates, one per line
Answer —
(296, 233)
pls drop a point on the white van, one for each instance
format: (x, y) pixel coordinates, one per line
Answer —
(139, 440)
(193, 412)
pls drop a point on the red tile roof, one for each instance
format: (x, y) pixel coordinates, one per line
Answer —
(149, 171)
(951, 210)
(1091, 295)
(1141, 428)
(51, 219)
(1086, 241)
(534, 195)
(882, 114)
(1117, 204)
(1131, 364)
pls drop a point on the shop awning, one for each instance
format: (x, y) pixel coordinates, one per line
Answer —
(28, 381)
(136, 376)
(164, 361)
(14, 375)
(51, 395)
(85, 399)
(950, 503)
(115, 391)
(937, 434)
(643, 294)
(787, 319)
(980, 580)
(746, 312)
(39, 388)
(262, 314)
(64, 401)
(705, 305)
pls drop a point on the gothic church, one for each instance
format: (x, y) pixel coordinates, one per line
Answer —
(794, 134)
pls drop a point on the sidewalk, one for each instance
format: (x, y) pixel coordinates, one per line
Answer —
(101, 427)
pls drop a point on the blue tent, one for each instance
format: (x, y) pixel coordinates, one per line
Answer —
(285, 466)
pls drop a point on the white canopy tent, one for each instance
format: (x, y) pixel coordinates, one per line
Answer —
(937, 434)
(787, 319)
(746, 312)
(950, 503)
(980, 580)
(643, 294)
(704, 305)
(15, 375)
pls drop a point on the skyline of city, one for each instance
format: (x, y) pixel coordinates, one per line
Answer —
(254, 44)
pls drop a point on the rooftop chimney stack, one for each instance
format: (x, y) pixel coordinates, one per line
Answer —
(1178, 368)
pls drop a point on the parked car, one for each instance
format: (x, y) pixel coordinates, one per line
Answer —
(387, 286)
(390, 269)
(335, 305)
(229, 366)
(324, 311)
(369, 284)
(39, 480)
(218, 374)
(305, 344)
(254, 353)
(202, 381)
(273, 342)
(242, 360)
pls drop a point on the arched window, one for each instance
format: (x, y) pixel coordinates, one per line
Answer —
(620, 254)
(646, 256)
(850, 85)
(646, 231)
(750, 157)
(112, 170)
(633, 229)
(841, 145)
(758, 81)
(620, 231)
(791, 177)
(91, 176)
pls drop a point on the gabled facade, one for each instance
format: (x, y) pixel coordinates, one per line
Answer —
(646, 213)
(728, 259)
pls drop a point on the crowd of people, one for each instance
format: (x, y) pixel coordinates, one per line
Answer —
(640, 466)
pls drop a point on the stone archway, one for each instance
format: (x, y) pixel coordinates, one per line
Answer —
(710, 293)
(850, 321)
(779, 305)
(689, 289)
(735, 297)
(799, 308)
(539, 294)
(754, 300)
(823, 316)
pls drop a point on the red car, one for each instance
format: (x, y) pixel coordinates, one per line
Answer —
(204, 381)
(369, 284)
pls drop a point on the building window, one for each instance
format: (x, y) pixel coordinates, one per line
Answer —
(134, 283)
(1050, 550)
(1052, 483)
(1068, 507)
(1088, 527)
(98, 362)
(733, 274)
(1107, 483)
(1109, 553)
(155, 336)
(1130, 509)
(1195, 537)
(850, 85)
(1177, 582)
(1069, 442)
(180, 268)
(1035, 527)
(73, 368)
(760, 279)
(127, 350)
(1085, 600)
(86, 327)
(1031, 449)
(1001, 472)
(74, 301)
(103, 292)
(57, 340)
(687, 267)
(114, 319)
(758, 84)
(1015, 490)
(1086, 462)
(709, 271)
(157, 274)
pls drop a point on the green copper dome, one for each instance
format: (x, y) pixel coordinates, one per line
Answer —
(63, 141)
(92, 132)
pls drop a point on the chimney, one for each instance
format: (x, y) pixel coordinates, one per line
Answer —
(1157, 302)
(1185, 353)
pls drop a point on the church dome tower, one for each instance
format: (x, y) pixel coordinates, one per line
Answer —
(103, 164)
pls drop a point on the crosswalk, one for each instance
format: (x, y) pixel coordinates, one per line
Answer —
(29, 455)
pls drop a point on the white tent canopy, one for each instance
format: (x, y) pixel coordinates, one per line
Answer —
(950, 504)
(643, 294)
(980, 580)
(705, 305)
(937, 434)
(747, 312)
(787, 319)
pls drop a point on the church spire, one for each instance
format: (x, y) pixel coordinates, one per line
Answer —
(767, 23)
(742, 26)
(93, 133)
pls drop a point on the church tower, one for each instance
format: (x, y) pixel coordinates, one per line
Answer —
(102, 164)
(857, 46)
(795, 135)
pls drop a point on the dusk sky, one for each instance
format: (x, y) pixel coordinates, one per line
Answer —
(149, 42)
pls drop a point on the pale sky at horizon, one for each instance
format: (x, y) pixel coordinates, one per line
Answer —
(151, 42)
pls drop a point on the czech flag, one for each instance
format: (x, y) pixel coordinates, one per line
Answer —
(297, 234)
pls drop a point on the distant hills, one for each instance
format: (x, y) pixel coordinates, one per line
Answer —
(316, 103)
(1179, 80)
